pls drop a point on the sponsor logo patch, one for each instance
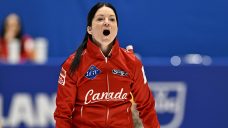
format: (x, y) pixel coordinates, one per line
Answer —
(119, 72)
(92, 72)
(62, 76)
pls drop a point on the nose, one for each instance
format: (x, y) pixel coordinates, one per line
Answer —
(106, 22)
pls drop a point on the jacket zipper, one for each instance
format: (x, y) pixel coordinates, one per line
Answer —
(128, 114)
(106, 60)
(107, 108)
(107, 115)
(81, 111)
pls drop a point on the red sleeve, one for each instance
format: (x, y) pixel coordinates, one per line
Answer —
(143, 98)
(65, 99)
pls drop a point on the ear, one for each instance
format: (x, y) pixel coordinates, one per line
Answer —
(89, 30)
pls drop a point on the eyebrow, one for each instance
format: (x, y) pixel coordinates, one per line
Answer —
(103, 15)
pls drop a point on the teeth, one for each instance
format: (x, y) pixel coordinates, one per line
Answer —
(106, 32)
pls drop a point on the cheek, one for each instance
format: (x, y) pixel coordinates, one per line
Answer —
(115, 29)
(96, 29)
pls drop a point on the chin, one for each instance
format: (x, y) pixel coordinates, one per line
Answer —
(108, 38)
(106, 41)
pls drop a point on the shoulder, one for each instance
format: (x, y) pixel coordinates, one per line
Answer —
(67, 63)
(133, 64)
(130, 57)
(26, 38)
(1, 40)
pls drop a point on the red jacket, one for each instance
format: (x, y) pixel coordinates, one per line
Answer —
(24, 55)
(98, 94)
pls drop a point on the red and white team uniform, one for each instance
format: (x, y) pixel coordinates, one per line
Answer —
(97, 95)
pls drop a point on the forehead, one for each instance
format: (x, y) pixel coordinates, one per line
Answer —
(12, 19)
(105, 11)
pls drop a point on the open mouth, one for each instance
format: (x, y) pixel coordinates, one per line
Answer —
(106, 32)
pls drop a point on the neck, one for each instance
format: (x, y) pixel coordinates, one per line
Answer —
(106, 49)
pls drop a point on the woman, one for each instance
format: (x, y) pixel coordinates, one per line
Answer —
(11, 30)
(96, 81)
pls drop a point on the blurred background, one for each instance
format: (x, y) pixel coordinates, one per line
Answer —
(182, 44)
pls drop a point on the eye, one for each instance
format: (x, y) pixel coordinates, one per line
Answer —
(112, 19)
(100, 19)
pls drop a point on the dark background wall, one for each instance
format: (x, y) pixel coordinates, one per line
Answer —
(155, 28)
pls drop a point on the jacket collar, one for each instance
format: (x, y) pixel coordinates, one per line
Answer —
(95, 51)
